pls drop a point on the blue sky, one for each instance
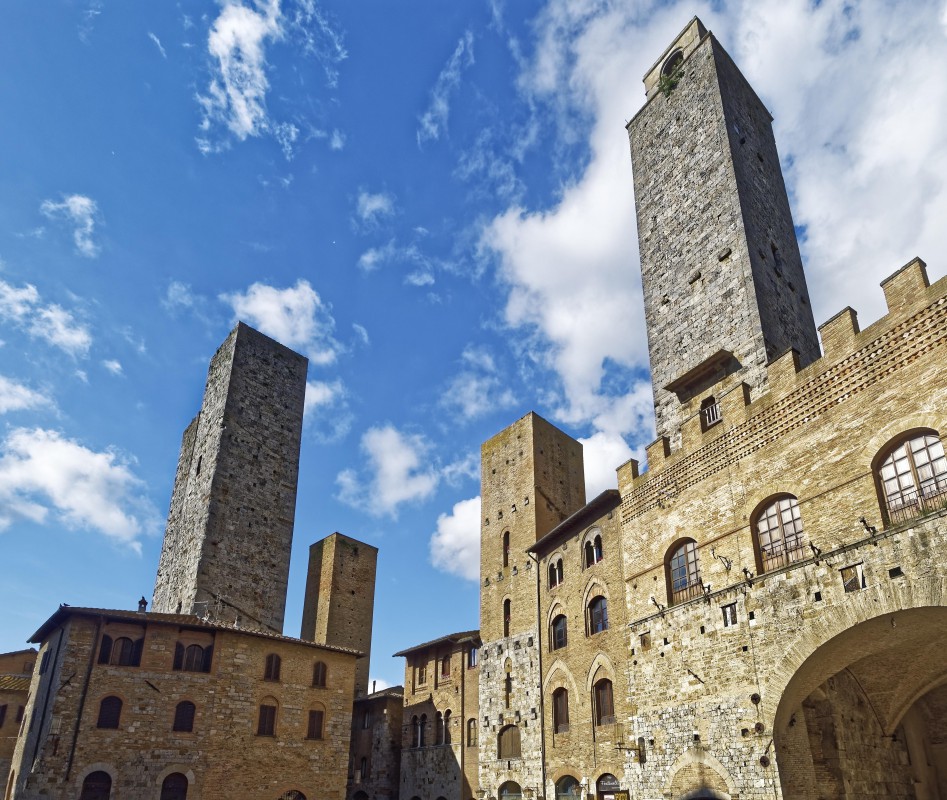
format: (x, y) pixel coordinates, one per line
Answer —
(431, 200)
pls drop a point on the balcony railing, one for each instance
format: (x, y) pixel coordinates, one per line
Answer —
(687, 593)
(783, 557)
(913, 503)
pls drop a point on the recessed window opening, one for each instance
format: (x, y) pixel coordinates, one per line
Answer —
(780, 538)
(913, 478)
(558, 633)
(598, 615)
(683, 571)
(184, 717)
(555, 573)
(710, 413)
(560, 710)
(507, 613)
(853, 578)
(673, 63)
(506, 549)
(604, 705)
(593, 550)
(729, 614)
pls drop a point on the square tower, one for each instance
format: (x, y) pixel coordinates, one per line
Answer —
(340, 598)
(532, 478)
(724, 288)
(230, 526)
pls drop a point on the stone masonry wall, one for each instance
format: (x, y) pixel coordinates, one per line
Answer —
(227, 548)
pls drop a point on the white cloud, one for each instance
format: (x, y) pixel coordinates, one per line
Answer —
(400, 469)
(477, 389)
(51, 323)
(434, 120)
(235, 99)
(455, 546)
(297, 317)
(370, 207)
(44, 473)
(113, 366)
(337, 140)
(18, 397)
(326, 411)
(83, 213)
(361, 332)
(157, 42)
(374, 257)
(179, 296)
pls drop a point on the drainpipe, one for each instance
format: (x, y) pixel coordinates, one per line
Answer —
(539, 658)
(82, 698)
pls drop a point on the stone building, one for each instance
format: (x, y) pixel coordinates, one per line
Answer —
(440, 725)
(204, 697)
(149, 705)
(375, 748)
(15, 671)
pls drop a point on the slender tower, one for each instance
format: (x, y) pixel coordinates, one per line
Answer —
(532, 478)
(230, 527)
(724, 288)
(340, 598)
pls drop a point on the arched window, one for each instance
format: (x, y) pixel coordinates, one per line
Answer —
(317, 723)
(266, 721)
(363, 769)
(271, 669)
(607, 782)
(510, 791)
(96, 786)
(560, 710)
(593, 550)
(507, 613)
(683, 572)
(508, 742)
(110, 712)
(709, 413)
(123, 652)
(555, 573)
(292, 794)
(604, 706)
(415, 731)
(438, 728)
(192, 658)
(184, 717)
(174, 787)
(780, 539)
(447, 726)
(319, 674)
(912, 477)
(506, 548)
(557, 633)
(422, 731)
(568, 788)
(471, 732)
(598, 615)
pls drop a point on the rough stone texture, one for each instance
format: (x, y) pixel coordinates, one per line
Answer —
(376, 739)
(532, 478)
(720, 265)
(446, 766)
(223, 757)
(815, 434)
(15, 671)
(340, 598)
(230, 526)
(586, 748)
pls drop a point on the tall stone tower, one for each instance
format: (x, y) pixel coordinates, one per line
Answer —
(532, 478)
(724, 288)
(340, 598)
(230, 527)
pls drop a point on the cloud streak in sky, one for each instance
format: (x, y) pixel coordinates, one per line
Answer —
(50, 322)
(83, 213)
(433, 122)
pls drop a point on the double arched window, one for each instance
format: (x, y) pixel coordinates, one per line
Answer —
(780, 539)
(557, 632)
(418, 724)
(555, 573)
(593, 550)
(683, 572)
(912, 476)
(560, 710)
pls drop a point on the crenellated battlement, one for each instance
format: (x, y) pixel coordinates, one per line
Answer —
(853, 360)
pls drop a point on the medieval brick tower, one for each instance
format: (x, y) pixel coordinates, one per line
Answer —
(230, 526)
(340, 598)
(532, 478)
(724, 288)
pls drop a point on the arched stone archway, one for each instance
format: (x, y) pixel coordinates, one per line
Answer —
(863, 714)
(697, 775)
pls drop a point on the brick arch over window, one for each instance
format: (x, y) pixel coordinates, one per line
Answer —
(778, 535)
(174, 786)
(682, 571)
(96, 786)
(910, 473)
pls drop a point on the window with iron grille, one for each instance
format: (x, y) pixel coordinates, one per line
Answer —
(780, 538)
(913, 478)
(684, 572)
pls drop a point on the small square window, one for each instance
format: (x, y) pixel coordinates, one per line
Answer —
(853, 577)
(729, 614)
